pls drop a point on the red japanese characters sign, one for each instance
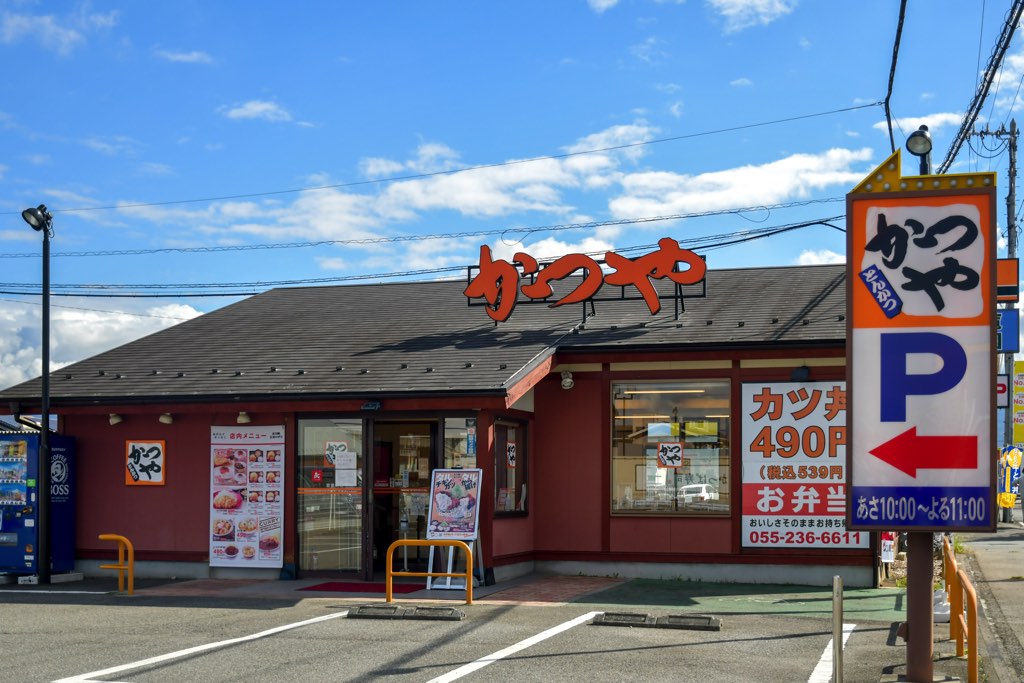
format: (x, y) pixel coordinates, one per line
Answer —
(497, 281)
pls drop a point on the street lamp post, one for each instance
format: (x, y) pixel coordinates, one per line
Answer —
(920, 572)
(919, 143)
(41, 220)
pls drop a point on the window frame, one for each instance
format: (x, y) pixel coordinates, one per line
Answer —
(620, 492)
(522, 466)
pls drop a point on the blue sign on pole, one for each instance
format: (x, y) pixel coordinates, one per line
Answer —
(1007, 330)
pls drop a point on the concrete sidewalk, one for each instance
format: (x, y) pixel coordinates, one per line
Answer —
(995, 564)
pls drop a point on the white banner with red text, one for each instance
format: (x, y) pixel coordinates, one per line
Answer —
(794, 466)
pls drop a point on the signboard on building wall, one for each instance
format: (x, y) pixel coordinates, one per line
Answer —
(794, 466)
(921, 351)
(145, 462)
(247, 496)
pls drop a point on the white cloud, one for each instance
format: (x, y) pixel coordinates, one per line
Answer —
(62, 35)
(44, 29)
(676, 109)
(741, 14)
(551, 248)
(193, 57)
(153, 168)
(257, 109)
(910, 124)
(77, 330)
(332, 263)
(374, 167)
(601, 6)
(741, 82)
(1007, 94)
(628, 137)
(112, 145)
(660, 193)
(821, 256)
(37, 159)
(648, 51)
(668, 88)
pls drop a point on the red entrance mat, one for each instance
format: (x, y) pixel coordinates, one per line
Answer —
(357, 587)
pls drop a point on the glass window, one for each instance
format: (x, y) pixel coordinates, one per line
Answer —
(510, 461)
(670, 448)
(460, 442)
(330, 495)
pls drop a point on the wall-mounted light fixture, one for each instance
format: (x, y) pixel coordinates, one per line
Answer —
(166, 418)
(567, 382)
(243, 418)
(800, 374)
(115, 419)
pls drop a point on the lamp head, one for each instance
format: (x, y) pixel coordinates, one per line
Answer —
(920, 142)
(38, 217)
(567, 382)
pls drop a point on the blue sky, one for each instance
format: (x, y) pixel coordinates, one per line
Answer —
(333, 122)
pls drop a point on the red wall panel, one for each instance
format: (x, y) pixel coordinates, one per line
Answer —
(567, 463)
(170, 519)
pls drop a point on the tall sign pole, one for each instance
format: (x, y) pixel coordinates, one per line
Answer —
(921, 262)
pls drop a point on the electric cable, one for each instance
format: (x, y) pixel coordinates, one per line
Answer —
(433, 174)
(707, 243)
(892, 72)
(450, 235)
(1002, 45)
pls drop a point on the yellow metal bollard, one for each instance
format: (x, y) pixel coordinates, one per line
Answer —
(125, 561)
(422, 542)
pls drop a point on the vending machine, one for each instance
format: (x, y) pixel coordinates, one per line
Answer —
(19, 503)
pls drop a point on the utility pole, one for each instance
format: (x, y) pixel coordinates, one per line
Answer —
(1011, 252)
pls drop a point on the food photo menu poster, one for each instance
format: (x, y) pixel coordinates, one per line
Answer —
(246, 496)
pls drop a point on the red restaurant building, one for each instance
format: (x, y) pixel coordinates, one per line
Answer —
(294, 433)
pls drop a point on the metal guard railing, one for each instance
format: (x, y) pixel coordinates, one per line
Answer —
(423, 542)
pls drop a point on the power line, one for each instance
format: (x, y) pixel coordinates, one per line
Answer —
(706, 243)
(892, 71)
(1009, 26)
(449, 235)
(97, 310)
(479, 167)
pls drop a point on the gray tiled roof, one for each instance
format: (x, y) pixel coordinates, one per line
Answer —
(422, 339)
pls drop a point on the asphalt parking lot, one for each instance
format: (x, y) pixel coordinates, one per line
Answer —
(766, 634)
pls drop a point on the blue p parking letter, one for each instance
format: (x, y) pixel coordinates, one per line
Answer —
(897, 384)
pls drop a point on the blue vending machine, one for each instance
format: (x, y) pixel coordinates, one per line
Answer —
(19, 527)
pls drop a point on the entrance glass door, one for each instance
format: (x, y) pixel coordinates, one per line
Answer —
(330, 496)
(404, 454)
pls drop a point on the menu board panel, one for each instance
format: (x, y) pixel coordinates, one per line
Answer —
(247, 496)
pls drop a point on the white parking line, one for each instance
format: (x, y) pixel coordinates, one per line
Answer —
(823, 672)
(87, 678)
(512, 649)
